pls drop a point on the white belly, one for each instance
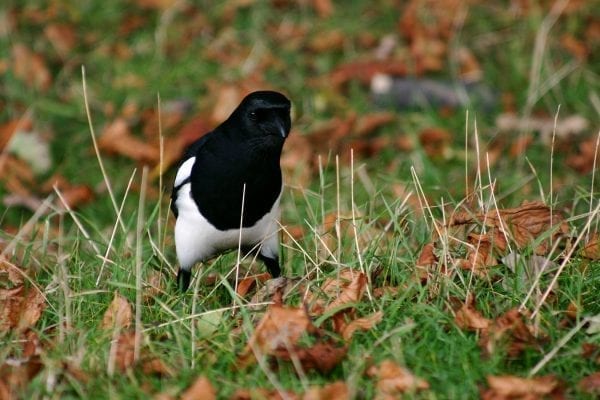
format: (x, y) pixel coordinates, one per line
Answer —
(196, 239)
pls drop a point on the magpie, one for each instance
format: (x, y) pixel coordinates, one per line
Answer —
(230, 180)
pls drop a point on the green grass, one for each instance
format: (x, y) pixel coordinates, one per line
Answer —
(418, 329)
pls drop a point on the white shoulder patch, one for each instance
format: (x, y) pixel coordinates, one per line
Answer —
(184, 170)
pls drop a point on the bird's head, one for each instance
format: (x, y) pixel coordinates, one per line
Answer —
(265, 114)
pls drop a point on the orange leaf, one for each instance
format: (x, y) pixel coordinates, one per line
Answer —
(467, 317)
(117, 139)
(591, 249)
(322, 356)
(201, 389)
(393, 380)
(364, 323)
(334, 391)
(118, 315)
(31, 68)
(590, 384)
(280, 327)
(513, 387)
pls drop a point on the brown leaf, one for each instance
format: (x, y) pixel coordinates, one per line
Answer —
(590, 384)
(118, 315)
(520, 145)
(30, 67)
(393, 380)
(523, 225)
(15, 377)
(246, 284)
(591, 249)
(117, 139)
(10, 273)
(509, 328)
(322, 356)
(263, 394)
(591, 351)
(201, 389)
(154, 286)
(427, 259)
(507, 387)
(324, 8)
(364, 71)
(20, 308)
(364, 324)
(467, 317)
(280, 327)
(334, 391)
(435, 141)
(327, 41)
(583, 161)
(379, 292)
(349, 288)
(155, 366)
(8, 129)
(576, 47)
(367, 124)
(62, 37)
(125, 351)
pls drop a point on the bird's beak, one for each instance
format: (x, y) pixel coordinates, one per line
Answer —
(281, 129)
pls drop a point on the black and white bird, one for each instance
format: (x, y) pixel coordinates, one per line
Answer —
(231, 178)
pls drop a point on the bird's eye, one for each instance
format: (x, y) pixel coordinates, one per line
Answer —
(253, 116)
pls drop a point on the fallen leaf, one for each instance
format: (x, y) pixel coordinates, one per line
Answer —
(201, 389)
(507, 387)
(590, 384)
(324, 8)
(510, 329)
(393, 380)
(365, 71)
(155, 366)
(62, 37)
(9, 273)
(321, 356)
(333, 391)
(467, 317)
(364, 324)
(435, 141)
(576, 47)
(427, 259)
(154, 286)
(524, 225)
(583, 161)
(125, 351)
(20, 308)
(280, 327)
(246, 284)
(118, 315)
(31, 68)
(116, 138)
(591, 351)
(263, 394)
(591, 249)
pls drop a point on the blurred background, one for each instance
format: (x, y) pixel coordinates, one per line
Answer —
(426, 84)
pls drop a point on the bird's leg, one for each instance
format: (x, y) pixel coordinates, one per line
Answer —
(183, 279)
(272, 265)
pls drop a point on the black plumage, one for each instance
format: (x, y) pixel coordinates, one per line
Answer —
(238, 160)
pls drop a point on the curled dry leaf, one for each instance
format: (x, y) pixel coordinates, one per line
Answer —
(522, 225)
(118, 315)
(116, 138)
(246, 284)
(30, 67)
(62, 37)
(393, 380)
(590, 384)
(364, 324)
(507, 387)
(280, 327)
(591, 249)
(321, 356)
(156, 366)
(10, 275)
(125, 351)
(467, 317)
(509, 328)
(20, 308)
(334, 391)
(201, 389)
(435, 141)
(427, 259)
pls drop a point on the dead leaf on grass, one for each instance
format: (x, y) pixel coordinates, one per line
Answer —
(20, 308)
(263, 394)
(321, 356)
(364, 324)
(117, 138)
(467, 317)
(30, 67)
(512, 330)
(62, 37)
(201, 389)
(507, 387)
(590, 384)
(435, 141)
(333, 391)
(583, 161)
(118, 315)
(246, 284)
(280, 327)
(591, 249)
(393, 380)
(125, 351)
(156, 366)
